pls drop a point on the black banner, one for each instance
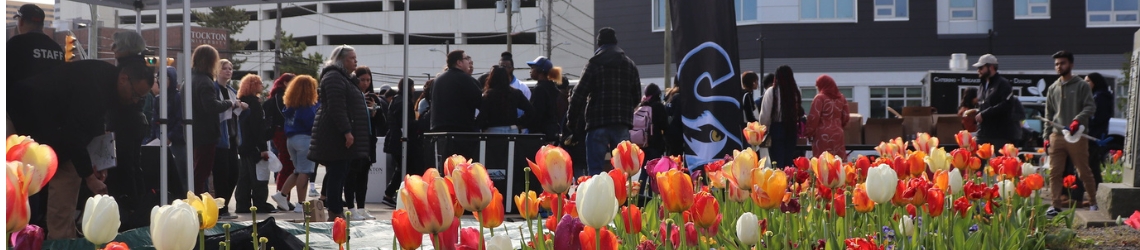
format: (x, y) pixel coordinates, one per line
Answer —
(705, 48)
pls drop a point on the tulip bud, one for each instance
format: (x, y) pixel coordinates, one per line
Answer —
(747, 229)
(100, 219)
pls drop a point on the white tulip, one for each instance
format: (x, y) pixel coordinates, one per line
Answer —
(881, 183)
(906, 226)
(747, 227)
(100, 219)
(499, 242)
(1027, 169)
(955, 181)
(596, 201)
(1007, 189)
(174, 226)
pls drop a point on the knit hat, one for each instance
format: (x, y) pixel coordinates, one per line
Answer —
(606, 36)
(128, 42)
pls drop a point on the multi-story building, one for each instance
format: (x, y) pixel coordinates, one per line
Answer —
(879, 51)
(375, 28)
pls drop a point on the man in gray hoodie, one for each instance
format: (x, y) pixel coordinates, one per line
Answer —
(1068, 101)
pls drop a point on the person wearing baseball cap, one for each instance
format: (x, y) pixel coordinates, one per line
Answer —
(31, 52)
(994, 105)
(546, 119)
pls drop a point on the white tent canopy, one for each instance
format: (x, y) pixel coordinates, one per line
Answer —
(162, 6)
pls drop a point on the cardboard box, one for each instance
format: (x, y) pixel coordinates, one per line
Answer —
(853, 107)
(853, 132)
(917, 120)
(878, 130)
(946, 126)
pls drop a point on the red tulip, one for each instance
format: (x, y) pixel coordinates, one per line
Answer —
(911, 210)
(840, 204)
(828, 170)
(472, 186)
(428, 203)
(966, 141)
(631, 219)
(1116, 156)
(862, 164)
(449, 238)
(407, 235)
(863, 203)
(916, 191)
(1070, 182)
(975, 163)
(1023, 188)
(861, 244)
(935, 201)
(554, 169)
(589, 236)
(619, 178)
(705, 210)
(754, 133)
(901, 166)
(960, 158)
(494, 212)
(116, 246)
(468, 239)
(1034, 181)
(1134, 220)
(923, 142)
(18, 209)
(962, 206)
(627, 157)
(40, 157)
(451, 162)
(340, 232)
(1009, 150)
(802, 163)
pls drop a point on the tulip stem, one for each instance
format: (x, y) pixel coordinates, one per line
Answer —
(598, 238)
(201, 239)
(482, 242)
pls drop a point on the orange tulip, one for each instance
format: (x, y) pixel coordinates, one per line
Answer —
(1035, 181)
(494, 212)
(527, 204)
(554, 169)
(427, 202)
(840, 203)
(116, 246)
(935, 201)
(898, 199)
(432, 174)
(1070, 181)
(754, 133)
(676, 190)
(570, 207)
(986, 151)
(828, 170)
(588, 239)
(923, 142)
(942, 180)
(407, 235)
(41, 157)
(451, 162)
(619, 179)
(472, 186)
(1117, 155)
(340, 232)
(547, 200)
(718, 179)
(975, 163)
(631, 219)
(966, 141)
(18, 209)
(1023, 189)
(627, 157)
(916, 191)
(1009, 150)
(916, 161)
(863, 203)
(705, 210)
(1008, 167)
(852, 175)
(960, 158)
(768, 187)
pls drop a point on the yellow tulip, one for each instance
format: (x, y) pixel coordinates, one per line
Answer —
(768, 187)
(207, 206)
(754, 133)
(938, 160)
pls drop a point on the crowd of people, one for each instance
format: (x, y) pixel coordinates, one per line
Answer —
(333, 120)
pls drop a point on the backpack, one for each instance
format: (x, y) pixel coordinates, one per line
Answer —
(642, 126)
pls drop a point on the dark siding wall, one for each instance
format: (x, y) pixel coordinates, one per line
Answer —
(868, 38)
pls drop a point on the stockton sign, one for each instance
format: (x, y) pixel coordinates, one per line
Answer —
(214, 38)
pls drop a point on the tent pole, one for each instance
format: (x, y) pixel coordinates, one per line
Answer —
(189, 113)
(163, 113)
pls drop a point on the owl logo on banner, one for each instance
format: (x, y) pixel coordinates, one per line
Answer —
(706, 135)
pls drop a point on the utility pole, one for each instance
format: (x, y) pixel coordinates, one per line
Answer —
(277, 45)
(549, 20)
(509, 8)
(93, 34)
(668, 44)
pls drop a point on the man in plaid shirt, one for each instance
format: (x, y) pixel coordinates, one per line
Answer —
(603, 102)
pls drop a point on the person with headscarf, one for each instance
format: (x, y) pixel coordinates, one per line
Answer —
(828, 117)
(968, 109)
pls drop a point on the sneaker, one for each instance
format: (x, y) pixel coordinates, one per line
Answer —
(357, 215)
(367, 215)
(1052, 212)
(299, 208)
(1093, 208)
(282, 202)
(389, 201)
(226, 216)
(313, 190)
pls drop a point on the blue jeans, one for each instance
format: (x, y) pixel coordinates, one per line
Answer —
(335, 174)
(600, 141)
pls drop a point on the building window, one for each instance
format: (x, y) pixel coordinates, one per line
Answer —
(807, 94)
(891, 10)
(1031, 9)
(893, 97)
(963, 9)
(746, 11)
(659, 15)
(827, 10)
(1113, 12)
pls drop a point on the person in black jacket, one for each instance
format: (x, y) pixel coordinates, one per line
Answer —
(340, 129)
(273, 107)
(356, 186)
(1098, 127)
(207, 105)
(501, 102)
(604, 100)
(66, 108)
(544, 98)
(32, 51)
(254, 133)
(398, 114)
(748, 82)
(457, 96)
(994, 105)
